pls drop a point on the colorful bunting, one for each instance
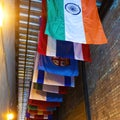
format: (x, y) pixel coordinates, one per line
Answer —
(67, 27)
(43, 103)
(31, 107)
(35, 112)
(52, 79)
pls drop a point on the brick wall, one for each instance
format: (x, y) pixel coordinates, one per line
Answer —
(103, 73)
(73, 107)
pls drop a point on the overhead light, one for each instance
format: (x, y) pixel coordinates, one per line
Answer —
(10, 116)
(1, 15)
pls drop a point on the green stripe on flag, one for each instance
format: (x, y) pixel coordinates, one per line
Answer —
(55, 20)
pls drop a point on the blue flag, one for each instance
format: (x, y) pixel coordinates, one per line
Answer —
(57, 65)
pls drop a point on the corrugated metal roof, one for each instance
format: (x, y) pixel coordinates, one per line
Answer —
(27, 36)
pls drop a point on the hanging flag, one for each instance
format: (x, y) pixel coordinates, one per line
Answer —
(43, 109)
(38, 117)
(28, 115)
(59, 66)
(43, 103)
(31, 107)
(56, 48)
(50, 88)
(76, 21)
(52, 79)
(44, 96)
(45, 117)
(34, 112)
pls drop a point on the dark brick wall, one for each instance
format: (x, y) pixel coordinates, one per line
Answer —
(73, 107)
(103, 74)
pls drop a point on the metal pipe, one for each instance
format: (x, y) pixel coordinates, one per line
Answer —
(85, 90)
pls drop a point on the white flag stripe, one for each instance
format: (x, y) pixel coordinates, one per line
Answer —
(50, 88)
(32, 116)
(35, 73)
(78, 51)
(73, 30)
(35, 76)
(72, 82)
(45, 117)
(57, 80)
(36, 61)
(51, 43)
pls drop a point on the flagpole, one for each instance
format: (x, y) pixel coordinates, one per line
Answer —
(85, 90)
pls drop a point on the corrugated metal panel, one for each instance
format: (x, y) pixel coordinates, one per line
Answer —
(26, 45)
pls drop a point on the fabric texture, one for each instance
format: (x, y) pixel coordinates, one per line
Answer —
(31, 107)
(46, 78)
(52, 79)
(59, 66)
(44, 96)
(74, 20)
(50, 88)
(43, 103)
(56, 48)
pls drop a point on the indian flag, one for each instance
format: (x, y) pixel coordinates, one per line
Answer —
(56, 48)
(74, 20)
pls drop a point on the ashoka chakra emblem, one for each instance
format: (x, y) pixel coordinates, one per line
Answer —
(72, 8)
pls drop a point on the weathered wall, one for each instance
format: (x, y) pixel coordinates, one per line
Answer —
(103, 73)
(7, 60)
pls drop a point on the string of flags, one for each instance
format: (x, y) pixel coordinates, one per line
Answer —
(67, 28)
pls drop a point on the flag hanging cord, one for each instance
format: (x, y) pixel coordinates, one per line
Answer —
(85, 90)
